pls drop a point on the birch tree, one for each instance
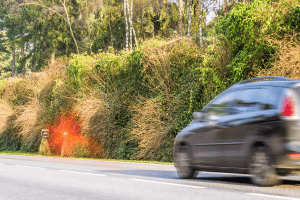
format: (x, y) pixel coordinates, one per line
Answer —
(190, 18)
(131, 25)
(200, 21)
(126, 24)
(131, 30)
(180, 17)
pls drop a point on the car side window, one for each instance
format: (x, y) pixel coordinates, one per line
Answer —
(220, 106)
(247, 100)
(256, 99)
(269, 98)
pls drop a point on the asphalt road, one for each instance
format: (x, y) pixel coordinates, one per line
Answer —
(33, 177)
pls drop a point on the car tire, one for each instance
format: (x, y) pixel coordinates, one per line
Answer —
(261, 170)
(183, 165)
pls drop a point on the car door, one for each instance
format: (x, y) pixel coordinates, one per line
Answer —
(204, 147)
(254, 107)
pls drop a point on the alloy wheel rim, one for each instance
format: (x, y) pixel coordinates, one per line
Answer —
(183, 164)
(260, 166)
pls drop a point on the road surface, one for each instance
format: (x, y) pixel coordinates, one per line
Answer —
(34, 177)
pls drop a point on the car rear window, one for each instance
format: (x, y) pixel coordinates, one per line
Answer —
(255, 99)
(269, 97)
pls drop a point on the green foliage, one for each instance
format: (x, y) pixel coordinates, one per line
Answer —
(78, 69)
(9, 138)
(32, 143)
(81, 150)
(293, 19)
(247, 30)
(110, 27)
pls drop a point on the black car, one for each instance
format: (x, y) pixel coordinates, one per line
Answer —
(253, 128)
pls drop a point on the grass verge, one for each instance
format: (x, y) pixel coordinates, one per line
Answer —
(112, 160)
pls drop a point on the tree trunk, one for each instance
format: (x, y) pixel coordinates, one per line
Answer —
(130, 24)
(70, 25)
(33, 64)
(180, 17)
(53, 57)
(23, 64)
(126, 24)
(34, 58)
(200, 21)
(156, 23)
(225, 6)
(13, 61)
(135, 40)
(190, 19)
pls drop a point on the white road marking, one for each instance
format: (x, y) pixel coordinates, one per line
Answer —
(273, 196)
(175, 184)
(29, 167)
(83, 173)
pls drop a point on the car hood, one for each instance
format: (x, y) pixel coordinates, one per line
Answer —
(192, 127)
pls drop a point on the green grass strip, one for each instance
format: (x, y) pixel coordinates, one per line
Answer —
(100, 159)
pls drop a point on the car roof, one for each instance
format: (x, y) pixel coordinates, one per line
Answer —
(277, 81)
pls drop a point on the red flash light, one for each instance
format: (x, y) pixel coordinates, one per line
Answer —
(65, 134)
(288, 108)
(294, 156)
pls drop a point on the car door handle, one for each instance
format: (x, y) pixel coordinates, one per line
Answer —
(221, 126)
(260, 116)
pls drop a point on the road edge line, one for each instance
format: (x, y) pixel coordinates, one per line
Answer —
(273, 196)
(175, 184)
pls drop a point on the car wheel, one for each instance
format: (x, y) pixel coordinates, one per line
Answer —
(183, 166)
(261, 170)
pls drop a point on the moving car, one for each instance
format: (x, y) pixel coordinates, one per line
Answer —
(253, 128)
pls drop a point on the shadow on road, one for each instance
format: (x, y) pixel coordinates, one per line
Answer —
(240, 179)
(225, 178)
(202, 176)
(291, 182)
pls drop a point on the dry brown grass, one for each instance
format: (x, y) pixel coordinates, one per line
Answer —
(24, 92)
(288, 60)
(88, 108)
(30, 86)
(150, 127)
(54, 71)
(28, 117)
(5, 112)
(157, 67)
(157, 62)
(96, 120)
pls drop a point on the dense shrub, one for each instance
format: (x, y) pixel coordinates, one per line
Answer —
(114, 96)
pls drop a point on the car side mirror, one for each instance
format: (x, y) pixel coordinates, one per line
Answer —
(199, 116)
